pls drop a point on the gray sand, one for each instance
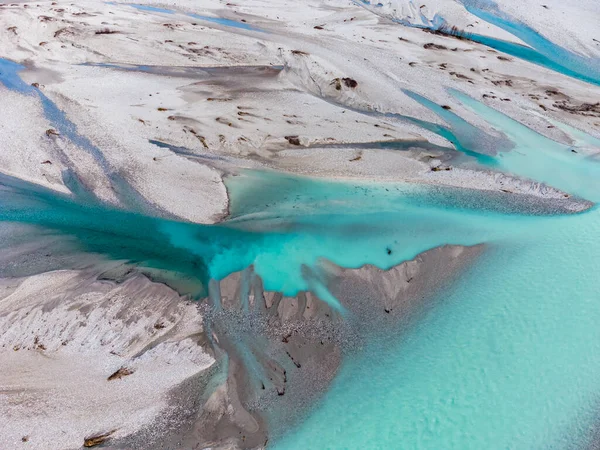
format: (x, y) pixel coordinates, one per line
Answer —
(233, 371)
(283, 352)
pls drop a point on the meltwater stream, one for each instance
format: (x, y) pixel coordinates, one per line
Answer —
(507, 357)
(539, 49)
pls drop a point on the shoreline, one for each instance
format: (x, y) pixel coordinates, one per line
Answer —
(290, 331)
(148, 152)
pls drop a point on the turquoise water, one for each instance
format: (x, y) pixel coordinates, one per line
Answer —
(542, 51)
(278, 237)
(531, 155)
(508, 356)
(210, 19)
(465, 137)
(539, 49)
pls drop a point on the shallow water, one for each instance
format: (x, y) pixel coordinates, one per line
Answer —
(210, 19)
(542, 50)
(508, 358)
(539, 49)
(508, 355)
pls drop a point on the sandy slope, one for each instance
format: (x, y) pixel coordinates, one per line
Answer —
(249, 112)
(63, 335)
(212, 99)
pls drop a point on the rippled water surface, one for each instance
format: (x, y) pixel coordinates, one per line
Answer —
(507, 357)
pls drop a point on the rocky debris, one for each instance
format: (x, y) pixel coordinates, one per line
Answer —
(445, 30)
(461, 76)
(431, 45)
(286, 350)
(502, 82)
(98, 439)
(224, 121)
(52, 132)
(584, 109)
(122, 372)
(348, 82)
(294, 140)
(37, 344)
(377, 296)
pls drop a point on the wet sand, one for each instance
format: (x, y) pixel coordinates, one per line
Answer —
(228, 374)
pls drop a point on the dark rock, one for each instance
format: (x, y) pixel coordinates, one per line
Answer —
(294, 140)
(433, 46)
(93, 441)
(106, 31)
(349, 82)
(122, 372)
(584, 109)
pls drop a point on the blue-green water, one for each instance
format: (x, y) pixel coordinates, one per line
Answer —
(209, 19)
(507, 357)
(539, 49)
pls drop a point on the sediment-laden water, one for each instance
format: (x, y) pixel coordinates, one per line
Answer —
(505, 357)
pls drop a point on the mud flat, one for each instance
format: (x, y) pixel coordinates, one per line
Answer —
(136, 363)
(283, 352)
